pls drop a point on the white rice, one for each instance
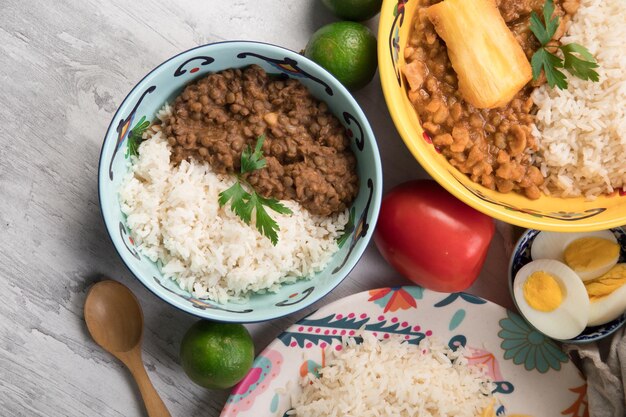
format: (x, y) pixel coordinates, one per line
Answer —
(175, 218)
(581, 131)
(391, 378)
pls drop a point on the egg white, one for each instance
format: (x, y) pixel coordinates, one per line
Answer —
(598, 271)
(552, 245)
(608, 308)
(570, 318)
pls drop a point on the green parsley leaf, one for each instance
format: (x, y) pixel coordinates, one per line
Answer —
(578, 49)
(552, 23)
(577, 60)
(135, 137)
(275, 205)
(347, 229)
(538, 29)
(264, 223)
(581, 68)
(550, 63)
(243, 203)
(240, 201)
(252, 161)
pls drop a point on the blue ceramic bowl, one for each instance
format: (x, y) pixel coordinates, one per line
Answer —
(163, 84)
(521, 256)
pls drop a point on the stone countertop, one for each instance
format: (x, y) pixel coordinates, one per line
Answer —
(64, 68)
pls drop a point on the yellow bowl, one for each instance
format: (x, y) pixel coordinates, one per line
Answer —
(546, 213)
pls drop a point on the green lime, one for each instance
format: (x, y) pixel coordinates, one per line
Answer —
(347, 50)
(216, 355)
(357, 10)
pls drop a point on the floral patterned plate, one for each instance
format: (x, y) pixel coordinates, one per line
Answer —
(533, 376)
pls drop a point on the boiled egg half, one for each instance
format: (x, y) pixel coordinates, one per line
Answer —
(551, 296)
(590, 254)
(607, 295)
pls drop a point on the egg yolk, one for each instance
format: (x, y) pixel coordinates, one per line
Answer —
(542, 291)
(589, 253)
(607, 283)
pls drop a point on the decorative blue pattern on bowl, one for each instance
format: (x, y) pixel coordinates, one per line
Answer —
(163, 84)
(521, 256)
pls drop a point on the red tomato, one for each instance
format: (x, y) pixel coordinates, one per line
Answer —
(432, 238)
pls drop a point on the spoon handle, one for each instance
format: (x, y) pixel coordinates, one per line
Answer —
(153, 402)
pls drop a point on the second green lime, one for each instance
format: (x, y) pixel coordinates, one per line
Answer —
(347, 50)
(216, 355)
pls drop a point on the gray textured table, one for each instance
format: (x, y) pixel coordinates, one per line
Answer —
(64, 67)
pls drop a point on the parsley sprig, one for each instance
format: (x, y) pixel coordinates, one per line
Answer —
(135, 136)
(347, 229)
(577, 60)
(243, 203)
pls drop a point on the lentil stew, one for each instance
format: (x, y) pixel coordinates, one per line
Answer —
(306, 148)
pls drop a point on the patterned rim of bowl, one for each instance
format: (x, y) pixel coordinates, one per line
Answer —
(361, 232)
(547, 213)
(521, 256)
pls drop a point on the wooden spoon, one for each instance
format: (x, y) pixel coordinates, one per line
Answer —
(115, 321)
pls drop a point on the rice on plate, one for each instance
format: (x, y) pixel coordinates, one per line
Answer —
(176, 220)
(391, 378)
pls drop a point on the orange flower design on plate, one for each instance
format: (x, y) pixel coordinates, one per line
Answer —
(580, 407)
(396, 298)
